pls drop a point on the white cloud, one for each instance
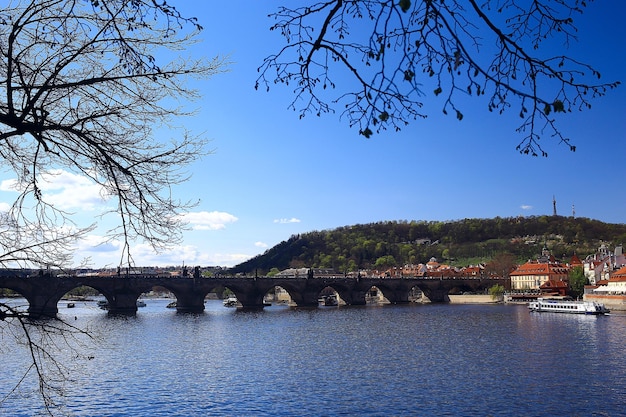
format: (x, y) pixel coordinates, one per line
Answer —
(260, 244)
(65, 190)
(228, 259)
(8, 185)
(286, 221)
(190, 255)
(4, 206)
(526, 207)
(204, 220)
(99, 244)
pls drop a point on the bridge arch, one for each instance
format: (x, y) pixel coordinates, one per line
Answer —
(121, 299)
(277, 295)
(376, 296)
(294, 294)
(19, 290)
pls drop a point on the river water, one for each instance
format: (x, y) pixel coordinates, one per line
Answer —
(415, 360)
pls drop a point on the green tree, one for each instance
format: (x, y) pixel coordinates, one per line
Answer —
(385, 262)
(273, 272)
(577, 281)
(496, 291)
(406, 50)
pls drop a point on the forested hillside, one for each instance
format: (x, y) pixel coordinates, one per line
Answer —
(460, 243)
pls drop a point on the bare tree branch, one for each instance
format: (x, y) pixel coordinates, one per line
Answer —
(83, 86)
(381, 58)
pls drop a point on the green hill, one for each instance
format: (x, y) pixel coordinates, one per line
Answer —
(459, 243)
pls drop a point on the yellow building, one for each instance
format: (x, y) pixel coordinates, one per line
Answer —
(533, 274)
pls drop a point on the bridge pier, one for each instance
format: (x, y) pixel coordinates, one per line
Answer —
(398, 296)
(251, 300)
(190, 302)
(42, 305)
(43, 299)
(307, 298)
(123, 303)
(437, 295)
(354, 297)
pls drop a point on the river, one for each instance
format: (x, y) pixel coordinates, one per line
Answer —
(412, 360)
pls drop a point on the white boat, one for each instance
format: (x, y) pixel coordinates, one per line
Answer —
(230, 301)
(141, 303)
(543, 305)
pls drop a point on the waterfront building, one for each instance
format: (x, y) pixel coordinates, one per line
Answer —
(544, 271)
(611, 292)
(615, 285)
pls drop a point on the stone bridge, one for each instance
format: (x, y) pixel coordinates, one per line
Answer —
(43, 291)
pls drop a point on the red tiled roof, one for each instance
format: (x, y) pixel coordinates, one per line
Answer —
(619, 272)
(554, 284)
(619, 275)
(531, 268)
(534, 268)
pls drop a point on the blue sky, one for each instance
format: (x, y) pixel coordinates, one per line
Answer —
(272, 175)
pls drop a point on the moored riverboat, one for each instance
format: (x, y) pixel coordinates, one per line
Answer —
(230, 301)
(546, 305)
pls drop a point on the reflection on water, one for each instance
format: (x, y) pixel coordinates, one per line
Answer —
(374, 361)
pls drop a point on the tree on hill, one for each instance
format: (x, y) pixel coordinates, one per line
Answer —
(379, 59)
(501, 243)
(83, 84)
(501, 265)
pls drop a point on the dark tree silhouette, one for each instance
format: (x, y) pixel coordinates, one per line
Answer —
(83, 83)
(398, 52)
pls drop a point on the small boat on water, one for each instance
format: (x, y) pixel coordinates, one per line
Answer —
(329, 300)
(141, 303)
(543, 305)
(230, 301)
(71, 305)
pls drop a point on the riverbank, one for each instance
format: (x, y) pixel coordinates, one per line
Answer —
(615, 302)
(475, 299)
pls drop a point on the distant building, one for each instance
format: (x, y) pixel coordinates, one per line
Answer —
(611, 293)
(545, 271)
(599, 266)
(616, 284)
(309, 272)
